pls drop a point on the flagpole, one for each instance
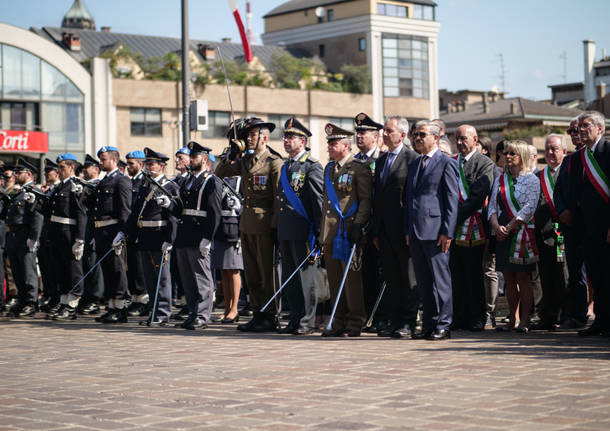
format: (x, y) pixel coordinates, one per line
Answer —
(186, 75)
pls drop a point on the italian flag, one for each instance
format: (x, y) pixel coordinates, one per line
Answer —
(242, 31)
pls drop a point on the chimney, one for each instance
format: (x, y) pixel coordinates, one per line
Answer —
(485, 103)
(106, 29)
(601, 90)
(71, 41)
(513, 108)
(206, 51)
(589, 52)
(226, 40)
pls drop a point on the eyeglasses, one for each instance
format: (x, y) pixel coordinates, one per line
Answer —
(586, 125)
(572, 130)
(421, 134)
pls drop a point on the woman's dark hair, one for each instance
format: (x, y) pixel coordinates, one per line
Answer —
(485, 145)
(499, 148)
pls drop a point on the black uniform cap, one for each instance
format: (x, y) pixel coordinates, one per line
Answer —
(122, 164)
(49, 165)
(90, 161)
(153, 156)
(364, 122)
(197, 148)
(259, 122)
(23, 164)
(293, 125)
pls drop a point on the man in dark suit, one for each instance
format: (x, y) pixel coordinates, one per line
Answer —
(549, 239)
(298, 225)
(430, 219)
(570, 226)
(593, 194)
(401, 299)
(476, 178)
(110, 205)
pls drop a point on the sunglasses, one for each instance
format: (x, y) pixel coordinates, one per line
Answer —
(572, 130)
(511, 153)
(421, 134)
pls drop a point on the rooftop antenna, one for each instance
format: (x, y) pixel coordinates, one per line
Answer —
(564, 57)
(502, 75)
(249, 22)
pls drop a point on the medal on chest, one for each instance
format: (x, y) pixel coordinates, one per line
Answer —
(259, 182)
(297, 181)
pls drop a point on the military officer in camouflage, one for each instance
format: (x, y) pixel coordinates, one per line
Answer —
(345, 211)
(300, 196)
(260, 171)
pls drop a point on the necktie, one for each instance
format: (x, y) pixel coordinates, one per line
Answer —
(389, 161)
(422, 167)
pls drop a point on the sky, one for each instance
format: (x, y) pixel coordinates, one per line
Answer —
(531, 35)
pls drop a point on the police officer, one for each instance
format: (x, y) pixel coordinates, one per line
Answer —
(198, 209)
(23, 234)
(153, 229)
(183, 161)
(300, 196)
(110, 204)
(367, 136)
(135, 267)
(94, 283)
(345, 211)
(260, 171)
(67, 219)
(50, 284)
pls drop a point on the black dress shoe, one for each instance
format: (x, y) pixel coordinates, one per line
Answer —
(52, 312)
(404, 332)
(371, 329)
(333, 333)
(440, 334)
(117, 316)
(303, 331)
(246, 311)
(106, 315)
(248, 326)
(266, 324)
(136, 309)
(156, 322)
(288, 329)
(65, 313)
(477, 327)
(89, 309)
(195, 323)
(226, 321)
(352, 333)
(592, 331)
(27, 311)
(385, 332)
(423, 335)
(544, 326)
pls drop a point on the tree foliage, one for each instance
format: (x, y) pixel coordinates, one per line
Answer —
(356, 79)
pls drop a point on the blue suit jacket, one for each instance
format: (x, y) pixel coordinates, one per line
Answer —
(432, 204)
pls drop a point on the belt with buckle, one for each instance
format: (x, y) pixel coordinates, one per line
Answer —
(195, 213)
(104, 223)
(152, 223)
(63, 220)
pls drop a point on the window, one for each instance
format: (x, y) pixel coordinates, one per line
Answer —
(391, 10)
(279, 121)
(218, 124)
(19, 116)
(405, 66)
(321, 50)
(346, 123)
(423, 12)
(145, 122)
(362, 44)
(331, 15)
(64, 123)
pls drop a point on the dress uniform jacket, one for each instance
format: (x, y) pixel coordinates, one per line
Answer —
(202, 205)
(228, 231)
(151, 225)
(358, 186)
(260, 178)
(135, 269)
(50, 281)
(23, 223)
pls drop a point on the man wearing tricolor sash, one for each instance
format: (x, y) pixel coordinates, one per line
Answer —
(549, 237)
(593, 194)
(476, 177)
(298, 224)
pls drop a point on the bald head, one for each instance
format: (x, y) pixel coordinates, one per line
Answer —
(467, 139)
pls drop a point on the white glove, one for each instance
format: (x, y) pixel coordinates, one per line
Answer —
(166, 246)
(234, 203)
(117, 243)
(118, 238)
(78, 249)
(32, 245)
(29, 197)
(163, 201)
(76, 188)
(204, 247)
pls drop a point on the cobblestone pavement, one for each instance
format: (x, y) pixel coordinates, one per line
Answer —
(85, 376)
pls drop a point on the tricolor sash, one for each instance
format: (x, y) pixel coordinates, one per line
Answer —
(547, 183)
(295, 201)
(471, 232)
(595, 174)
(523, 249)
(341, 245)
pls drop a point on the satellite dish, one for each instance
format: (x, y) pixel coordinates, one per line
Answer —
(320, 12)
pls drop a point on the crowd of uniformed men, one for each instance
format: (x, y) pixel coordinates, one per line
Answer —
(398, 227)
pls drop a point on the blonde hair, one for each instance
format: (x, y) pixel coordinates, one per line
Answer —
(521, 148)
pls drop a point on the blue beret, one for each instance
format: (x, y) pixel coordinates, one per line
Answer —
(66, 156)
(106, 149)
(184, 150)
(212, 158)
(138, 154)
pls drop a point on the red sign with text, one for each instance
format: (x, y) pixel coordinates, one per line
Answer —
(16, 141)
